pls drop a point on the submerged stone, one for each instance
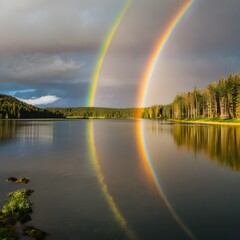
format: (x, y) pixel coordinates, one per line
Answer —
(22, 180)
(25, 218)
(7, 220)
(34, 233)
(12, 179)
(7, 234)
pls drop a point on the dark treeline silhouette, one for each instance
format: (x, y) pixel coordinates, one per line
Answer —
(218, 100)
(12, 108)
(98, 112)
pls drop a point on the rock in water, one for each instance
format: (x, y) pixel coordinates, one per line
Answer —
(34, 233)
(12, 179)
(7, 234)
(25, 218)
(23, 180)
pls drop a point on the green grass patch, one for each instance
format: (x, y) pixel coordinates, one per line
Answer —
(19, 202)
(228, 121)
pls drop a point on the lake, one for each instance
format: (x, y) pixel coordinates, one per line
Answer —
(126, 179)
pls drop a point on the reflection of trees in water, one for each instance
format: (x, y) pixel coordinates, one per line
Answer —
(26, 131)
(8, 130)
(220, 143)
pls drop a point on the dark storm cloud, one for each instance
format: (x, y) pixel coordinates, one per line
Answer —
(58, 25)
(64, 76)
(38, 67)
(40, 40)
(54, 25)
(52, 46)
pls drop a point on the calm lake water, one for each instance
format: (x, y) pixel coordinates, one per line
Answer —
(123, 179)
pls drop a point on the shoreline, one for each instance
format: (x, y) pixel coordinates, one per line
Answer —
(192, 121)
(207, 121)
(67, 119)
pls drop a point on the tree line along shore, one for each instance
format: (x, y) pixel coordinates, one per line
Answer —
(219, 101)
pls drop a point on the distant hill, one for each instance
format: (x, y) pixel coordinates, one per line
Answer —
(11, 108)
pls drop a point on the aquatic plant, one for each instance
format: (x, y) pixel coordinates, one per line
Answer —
(18, 202)
(15, 213)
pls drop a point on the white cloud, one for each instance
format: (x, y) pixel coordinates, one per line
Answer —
(44, 100)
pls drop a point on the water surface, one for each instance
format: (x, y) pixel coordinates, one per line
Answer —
(92, 182)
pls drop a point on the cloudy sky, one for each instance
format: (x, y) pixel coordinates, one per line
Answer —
(48, 49)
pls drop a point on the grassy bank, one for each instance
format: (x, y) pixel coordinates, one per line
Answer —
(212, 121)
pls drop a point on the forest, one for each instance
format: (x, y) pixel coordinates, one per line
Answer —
(12, 108)
(218, 100)
(98, 112)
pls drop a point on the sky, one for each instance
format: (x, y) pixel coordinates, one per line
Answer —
(49, 48)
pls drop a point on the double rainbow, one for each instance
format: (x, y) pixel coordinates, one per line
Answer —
(143, 150)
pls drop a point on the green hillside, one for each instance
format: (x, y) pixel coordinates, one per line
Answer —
(11, 108)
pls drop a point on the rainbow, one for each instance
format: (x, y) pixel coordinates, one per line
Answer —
(141, 143)
(145, 157)
(103, 52)
(157, 50)
(109, 199)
